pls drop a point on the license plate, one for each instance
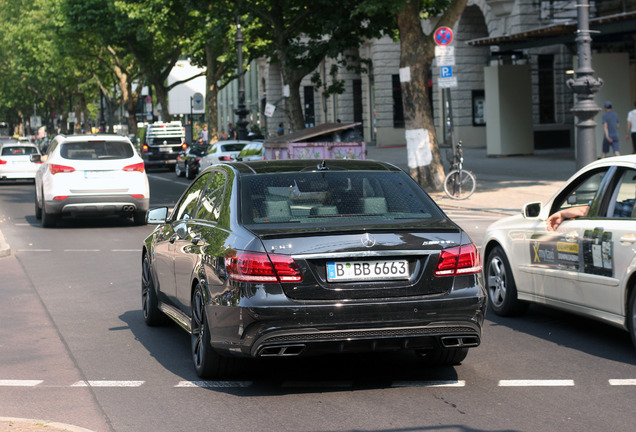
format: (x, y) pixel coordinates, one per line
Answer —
(350, 271)
(165, 149)
(97, 174)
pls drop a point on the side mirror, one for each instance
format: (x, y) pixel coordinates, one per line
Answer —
(532, 210)
(157, 216)
(36, 158)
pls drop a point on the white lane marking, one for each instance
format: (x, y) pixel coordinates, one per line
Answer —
(35, 250)
(20, 383)
(214, 384)
(450, 383)
(536, 383)
(105, 383)
(82, 250)
(622, 382)
(22, 224)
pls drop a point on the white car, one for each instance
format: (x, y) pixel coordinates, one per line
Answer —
(587, 265)
(222, 151)
(15, 161)
(84, 175)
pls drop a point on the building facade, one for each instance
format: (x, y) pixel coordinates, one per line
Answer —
(513, 59)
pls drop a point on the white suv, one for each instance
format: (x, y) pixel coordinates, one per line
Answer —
(84, 175)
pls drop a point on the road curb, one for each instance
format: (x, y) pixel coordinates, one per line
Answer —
(5, 249)
(29, 425)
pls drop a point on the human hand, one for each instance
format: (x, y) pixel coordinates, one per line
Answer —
(553, 221)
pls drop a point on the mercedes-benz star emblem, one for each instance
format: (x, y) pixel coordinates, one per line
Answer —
(368, 240)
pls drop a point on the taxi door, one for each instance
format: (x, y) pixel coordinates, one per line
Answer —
(557, 256)
(608, 246)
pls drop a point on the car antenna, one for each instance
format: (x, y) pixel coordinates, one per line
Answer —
(322, 166)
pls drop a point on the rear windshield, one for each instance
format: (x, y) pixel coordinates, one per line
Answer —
(18, 151)
(232, 147)
(96, 150)
(318, 198)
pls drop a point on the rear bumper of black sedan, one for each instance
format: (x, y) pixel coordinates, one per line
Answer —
(346, 328)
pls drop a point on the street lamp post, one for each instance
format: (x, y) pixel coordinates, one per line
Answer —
(584, 86)
(241, 111)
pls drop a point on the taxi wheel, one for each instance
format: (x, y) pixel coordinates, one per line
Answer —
(500, 284)
(631, 316)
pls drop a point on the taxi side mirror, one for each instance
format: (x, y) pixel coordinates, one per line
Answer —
(532, 210)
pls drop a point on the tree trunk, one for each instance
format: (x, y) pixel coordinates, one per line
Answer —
(416, 55)
(162, 98)
(294, 106)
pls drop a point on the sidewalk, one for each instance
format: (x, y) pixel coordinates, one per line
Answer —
(504, 184)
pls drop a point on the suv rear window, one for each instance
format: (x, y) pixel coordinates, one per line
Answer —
(322, 197)
(18, 150)
(96, 150)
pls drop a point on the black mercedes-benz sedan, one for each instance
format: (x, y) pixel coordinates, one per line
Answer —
(301, 257)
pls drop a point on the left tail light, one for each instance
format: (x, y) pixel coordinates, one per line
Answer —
(2, 162)
(459, 260)
(135, 167)
(261, 267)
(57, 169)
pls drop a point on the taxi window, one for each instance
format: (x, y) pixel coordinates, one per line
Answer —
(622, 203)
(584, 193)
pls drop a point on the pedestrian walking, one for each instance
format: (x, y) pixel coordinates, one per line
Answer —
(631, 126)
(231, 131)
(610, 129)
(204, 135)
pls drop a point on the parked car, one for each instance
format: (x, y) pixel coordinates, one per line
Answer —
(222, 151)
(252, 151)
(586, 266)
(188, 161)
(83, 175)
(15, 161)
(298, 257)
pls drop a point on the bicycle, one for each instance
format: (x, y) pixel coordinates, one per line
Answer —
(459, 183)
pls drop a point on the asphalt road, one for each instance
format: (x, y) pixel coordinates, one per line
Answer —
(74, 349)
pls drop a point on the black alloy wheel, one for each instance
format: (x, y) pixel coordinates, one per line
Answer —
(207, 363)
(631, 316)
(149, 301)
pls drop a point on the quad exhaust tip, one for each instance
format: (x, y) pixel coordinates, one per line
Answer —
(460, 341)
(282, 351)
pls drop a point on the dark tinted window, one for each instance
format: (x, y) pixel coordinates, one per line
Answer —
(187, 205)
(96, 150)
(18, 151)
(322, 197)
(232, 147)
(212, 198)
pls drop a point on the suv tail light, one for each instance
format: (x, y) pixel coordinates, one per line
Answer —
(135, 167)
(56, 169)
(2, 162)
(459, 260)
(261, 267)
(144, 148)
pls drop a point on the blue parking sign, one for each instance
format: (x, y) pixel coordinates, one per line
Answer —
(446, 71)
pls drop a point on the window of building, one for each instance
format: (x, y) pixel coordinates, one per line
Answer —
(547, 108)
(398, 109)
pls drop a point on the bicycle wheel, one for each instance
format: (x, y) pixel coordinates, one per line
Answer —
(459, 185)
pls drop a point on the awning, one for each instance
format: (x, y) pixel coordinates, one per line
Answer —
(611, 26)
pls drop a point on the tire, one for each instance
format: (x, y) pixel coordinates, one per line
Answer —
(188, 172)
(459, 185)
(207, 363)
(631, 316)
(49, 220)
(443, 357)
(38, 209)
(149, 301)
(500, 285)
(139, 218)
(177, 170)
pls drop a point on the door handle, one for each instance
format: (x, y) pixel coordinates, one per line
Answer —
(628, 239)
